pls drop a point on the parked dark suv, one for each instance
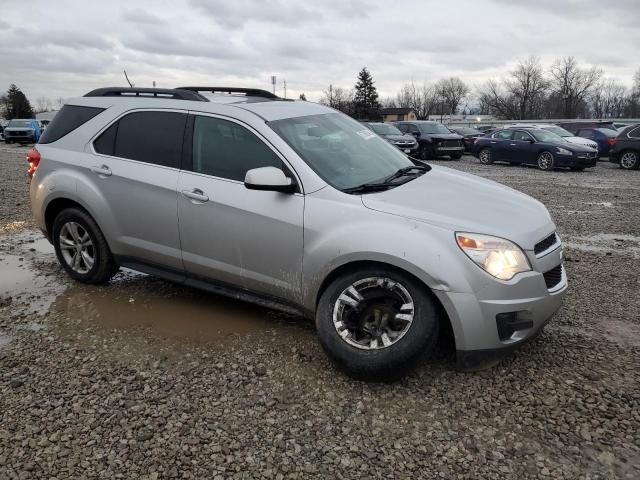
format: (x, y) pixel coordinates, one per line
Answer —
(434, 139)
(395, 137)
(626, 149)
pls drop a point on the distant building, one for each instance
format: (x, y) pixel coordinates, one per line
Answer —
(461, 118)
(398, 114)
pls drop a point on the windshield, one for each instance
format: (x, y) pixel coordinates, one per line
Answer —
(468, 131)
(433, 128)
(19, 123)
(559, 131)
(384, 129)
(342, 151)
(546, 136)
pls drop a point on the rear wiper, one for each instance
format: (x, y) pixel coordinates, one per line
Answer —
(387, 183)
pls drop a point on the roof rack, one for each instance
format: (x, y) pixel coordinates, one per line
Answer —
(177, 94)
(249, 92)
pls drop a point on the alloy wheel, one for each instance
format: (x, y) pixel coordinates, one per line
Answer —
(629, 160)
(373, 313)
(76, 247)
(485, 156)
(545, 161)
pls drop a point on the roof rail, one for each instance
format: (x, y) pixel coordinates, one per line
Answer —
(176, 94)
(249, 92)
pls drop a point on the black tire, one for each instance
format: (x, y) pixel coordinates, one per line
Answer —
(7, 141)
(424, 152)
(577, 169)
(546, 161)
(456, 156)
(104, 267)
(630, 160)
(395, 360)
(485, 156)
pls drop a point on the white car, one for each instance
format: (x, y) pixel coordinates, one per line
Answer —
(565, 134)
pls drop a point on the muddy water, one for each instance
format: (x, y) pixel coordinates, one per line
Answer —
(136, 301)
(31, 275)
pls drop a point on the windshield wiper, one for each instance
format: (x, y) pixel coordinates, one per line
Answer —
(387, 183)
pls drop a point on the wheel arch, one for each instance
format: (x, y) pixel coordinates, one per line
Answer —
(57, 205)
(447, 337)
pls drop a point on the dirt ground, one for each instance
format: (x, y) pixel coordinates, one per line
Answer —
(144, 379)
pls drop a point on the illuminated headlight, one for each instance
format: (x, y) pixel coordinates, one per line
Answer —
(496, 256)
(564, 151)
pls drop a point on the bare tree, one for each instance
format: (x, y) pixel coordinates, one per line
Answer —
(607, 99)
(43, 104)
(338, 98)
(421, 98)
(527, 88)
(494, 100)
(632, 107)
(572, 84)
(388, 102)
(450, 92)
(59, 103)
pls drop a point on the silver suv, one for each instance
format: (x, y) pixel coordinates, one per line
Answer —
(298, 207)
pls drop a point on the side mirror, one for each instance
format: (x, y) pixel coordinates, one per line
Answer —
(415, 134)
(531, 140)
(270, 179)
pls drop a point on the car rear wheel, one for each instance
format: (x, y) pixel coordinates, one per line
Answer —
(545, 161)
(630, 160)
(81, 247)
(375, 323)
(486, 157)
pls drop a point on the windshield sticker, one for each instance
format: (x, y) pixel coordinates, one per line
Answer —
(366, 134)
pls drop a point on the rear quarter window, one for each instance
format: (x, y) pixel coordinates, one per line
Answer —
(67, 120)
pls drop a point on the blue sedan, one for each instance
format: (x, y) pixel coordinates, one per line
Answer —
(533, 146)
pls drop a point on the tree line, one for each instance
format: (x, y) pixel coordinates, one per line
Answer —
(529, 91)
(15, 104)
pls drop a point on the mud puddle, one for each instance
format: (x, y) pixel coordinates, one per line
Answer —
(40, 291)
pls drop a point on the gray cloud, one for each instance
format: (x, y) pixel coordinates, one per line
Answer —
(66, 50)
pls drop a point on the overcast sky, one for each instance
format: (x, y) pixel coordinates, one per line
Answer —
(63, 48)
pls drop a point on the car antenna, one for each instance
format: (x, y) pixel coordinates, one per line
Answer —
(127, 77)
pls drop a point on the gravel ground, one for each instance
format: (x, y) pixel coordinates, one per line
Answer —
(144, 379)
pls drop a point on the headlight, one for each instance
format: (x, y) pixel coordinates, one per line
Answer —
(496, 256)
(564, 151)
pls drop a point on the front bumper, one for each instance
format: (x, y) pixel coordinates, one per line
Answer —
(576, 161)
(410, 149)
(448, 150)
(478, 318)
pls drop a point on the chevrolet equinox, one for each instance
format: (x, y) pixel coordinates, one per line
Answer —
(295, 206)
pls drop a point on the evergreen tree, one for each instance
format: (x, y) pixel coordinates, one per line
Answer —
(15, 104)
(366, 103)
(303, 97)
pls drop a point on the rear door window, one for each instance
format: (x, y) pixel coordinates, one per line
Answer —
(152, 137)
(503, 135)
(522, 136)
(67, 120)
(227, 150)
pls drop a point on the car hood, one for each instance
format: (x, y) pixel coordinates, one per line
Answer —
(576, 147)
(580, 141)
(399, 138)
(17, 129)
(443, 136)
(463, 202)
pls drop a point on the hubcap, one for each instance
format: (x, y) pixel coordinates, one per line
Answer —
(485, 156)
(373, 313)
(76, 247)
(545, 160)
(628, 160)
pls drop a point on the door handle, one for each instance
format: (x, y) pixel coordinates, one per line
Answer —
(493, 142)
(512, 144)
(101, 170)
(196, 194)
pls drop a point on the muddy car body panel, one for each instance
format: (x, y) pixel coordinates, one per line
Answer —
(282, 249)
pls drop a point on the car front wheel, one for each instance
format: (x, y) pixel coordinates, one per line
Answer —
(81, 247)
(545, 161)
(630, 160)
(375, 323)
(425, 152)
